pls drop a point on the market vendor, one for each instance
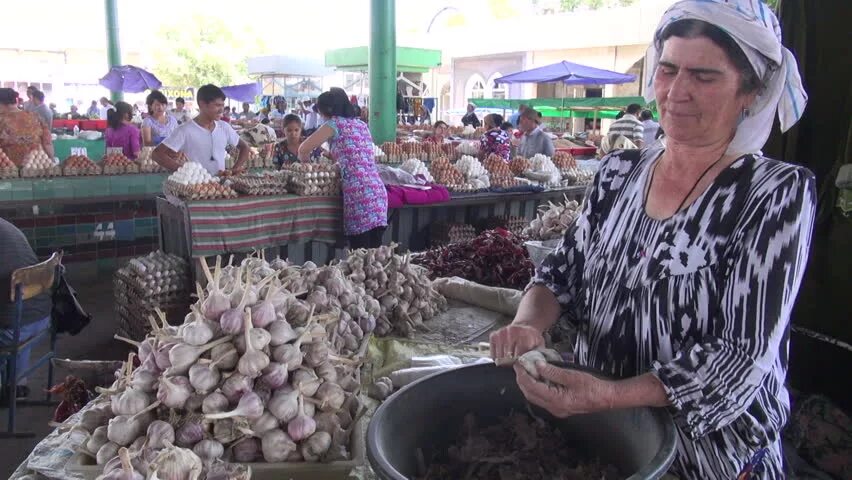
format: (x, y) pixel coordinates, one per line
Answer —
(365, 200)
(121, 132)
(439, 133)
(21, 132)
(470, 117)
(495, 140)
(203, 140)
(159, 124)
(534, 140)
(681, 273)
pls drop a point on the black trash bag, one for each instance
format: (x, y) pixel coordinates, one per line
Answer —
(67, 313)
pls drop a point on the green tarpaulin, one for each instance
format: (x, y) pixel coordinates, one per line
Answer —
(355, 59)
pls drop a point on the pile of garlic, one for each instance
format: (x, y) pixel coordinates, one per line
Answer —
(404, 292)
(542, 164)
(251, 375)
(8, 169)
(416, 167)
(552, 220)
(38, 164)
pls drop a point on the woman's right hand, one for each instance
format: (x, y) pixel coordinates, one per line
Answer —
(512, 341)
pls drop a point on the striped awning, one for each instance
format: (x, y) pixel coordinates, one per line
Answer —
(243, 224)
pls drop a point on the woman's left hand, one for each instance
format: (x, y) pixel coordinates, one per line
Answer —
(569, 392)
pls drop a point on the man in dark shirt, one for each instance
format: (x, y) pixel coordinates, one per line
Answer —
(15, 253)
(470, 117)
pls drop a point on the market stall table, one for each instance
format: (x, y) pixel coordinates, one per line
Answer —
(311, 227)
(210, 227)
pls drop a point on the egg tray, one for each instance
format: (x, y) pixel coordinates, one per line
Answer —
(81, 171)
(9, 172)
(54, 171)
(505, 182)
(577, 176)
(464, 188)
(198, 192)
(151, 168)
(274, 184)
(330, 189)
(121, 169)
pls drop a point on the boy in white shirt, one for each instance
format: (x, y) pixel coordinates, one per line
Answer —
(203, 140)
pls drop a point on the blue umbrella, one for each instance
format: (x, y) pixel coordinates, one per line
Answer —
(568, 73)
(242, 93)
(127, 78)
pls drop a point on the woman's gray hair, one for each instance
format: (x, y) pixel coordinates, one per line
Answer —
(691, 28)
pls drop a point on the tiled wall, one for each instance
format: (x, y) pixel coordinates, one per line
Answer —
(106, 218)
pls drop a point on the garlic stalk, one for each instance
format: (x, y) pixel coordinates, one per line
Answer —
(249, 406)
(184, 356)
(216, 302)
(125, 471)
(252, 362)
(302, 426)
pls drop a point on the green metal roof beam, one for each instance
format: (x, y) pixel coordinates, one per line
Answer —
(354, 59)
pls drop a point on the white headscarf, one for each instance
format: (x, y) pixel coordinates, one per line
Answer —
(756, 30)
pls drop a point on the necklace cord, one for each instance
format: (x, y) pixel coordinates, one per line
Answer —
(691, 190)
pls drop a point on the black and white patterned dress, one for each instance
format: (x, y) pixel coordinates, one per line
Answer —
(702, 299)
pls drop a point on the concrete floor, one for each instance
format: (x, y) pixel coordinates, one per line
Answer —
(94, 343)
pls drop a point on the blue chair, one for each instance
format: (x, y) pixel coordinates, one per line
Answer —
(27, 283)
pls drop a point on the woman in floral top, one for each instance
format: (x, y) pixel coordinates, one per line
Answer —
(365, 200)
(495, 140)
(20, 132)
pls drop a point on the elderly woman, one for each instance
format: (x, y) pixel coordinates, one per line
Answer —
(681, 272)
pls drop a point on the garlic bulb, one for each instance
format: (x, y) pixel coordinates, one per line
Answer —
(175, 463)
(174, 391)
(106, 452)
(284, 405)
(277, 446)
(249, 406)
(160, 434)
(247, 450)
(264, 423)
(315, 446)
(302, 426)
(214, 403)
(204, 376)
(252, 362)
(208, 450)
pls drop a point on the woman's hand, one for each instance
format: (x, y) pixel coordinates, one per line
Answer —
(564, 392)
(512, 341)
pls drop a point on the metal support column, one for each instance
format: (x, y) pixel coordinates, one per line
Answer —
(113, 45)
(382, 70)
